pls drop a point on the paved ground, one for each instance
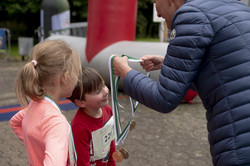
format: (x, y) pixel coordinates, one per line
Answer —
(175, 139)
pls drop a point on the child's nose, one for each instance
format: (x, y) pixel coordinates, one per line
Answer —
(105, 90)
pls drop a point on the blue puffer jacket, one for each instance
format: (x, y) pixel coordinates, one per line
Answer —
(209, 49)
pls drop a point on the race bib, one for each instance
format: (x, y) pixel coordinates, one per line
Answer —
(102, 139)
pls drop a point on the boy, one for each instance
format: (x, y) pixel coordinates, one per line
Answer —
(92, 125)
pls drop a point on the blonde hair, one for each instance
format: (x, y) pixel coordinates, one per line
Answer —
(52, 58)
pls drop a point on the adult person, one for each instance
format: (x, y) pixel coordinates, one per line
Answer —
(209, 48)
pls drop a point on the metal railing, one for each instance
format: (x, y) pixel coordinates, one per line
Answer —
(75, 29)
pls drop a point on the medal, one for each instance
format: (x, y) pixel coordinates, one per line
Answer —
(117, 156)
(124, 153)
(121, 130)
(132, 125)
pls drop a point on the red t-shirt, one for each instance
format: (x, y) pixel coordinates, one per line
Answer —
(82, 126)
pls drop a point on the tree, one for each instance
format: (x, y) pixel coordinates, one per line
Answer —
(22, 17)
(79, 10)
(145, 26)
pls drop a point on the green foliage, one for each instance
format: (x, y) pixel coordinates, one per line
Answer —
(145, 26)
(79, 10)
(22, 17)
(16, 7)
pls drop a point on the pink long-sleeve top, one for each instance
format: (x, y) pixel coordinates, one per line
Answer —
(44, 131)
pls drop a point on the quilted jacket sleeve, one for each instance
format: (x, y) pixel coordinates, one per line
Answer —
(193, 34)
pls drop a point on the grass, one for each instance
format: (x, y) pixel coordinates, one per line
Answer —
(14, 50)
(14, 54)
(148, 39)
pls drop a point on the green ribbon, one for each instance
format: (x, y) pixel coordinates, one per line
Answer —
(120, 134)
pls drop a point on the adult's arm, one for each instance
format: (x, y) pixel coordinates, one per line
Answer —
(186, 49)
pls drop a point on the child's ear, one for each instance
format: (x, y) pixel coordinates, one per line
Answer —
(80, 103)
(64, 77)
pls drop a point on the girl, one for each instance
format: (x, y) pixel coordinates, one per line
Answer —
(52, 73)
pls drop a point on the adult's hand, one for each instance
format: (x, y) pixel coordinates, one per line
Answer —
(120, 66)
(152, 62)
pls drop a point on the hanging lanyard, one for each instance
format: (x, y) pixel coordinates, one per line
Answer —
(72, 150)
(120, 134)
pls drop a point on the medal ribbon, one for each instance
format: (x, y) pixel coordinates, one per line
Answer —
(72, 150)
(120, 135)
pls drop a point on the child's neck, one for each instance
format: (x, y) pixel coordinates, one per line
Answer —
(54, 97)
(93, 113)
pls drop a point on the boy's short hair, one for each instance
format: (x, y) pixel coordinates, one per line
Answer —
(91, 81)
